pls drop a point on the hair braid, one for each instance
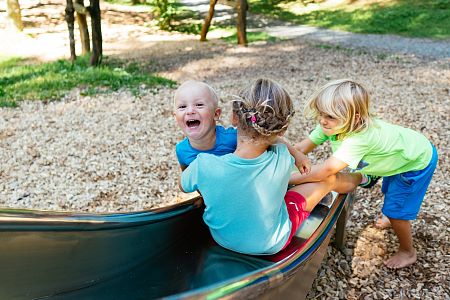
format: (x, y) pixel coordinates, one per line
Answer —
(264, 107)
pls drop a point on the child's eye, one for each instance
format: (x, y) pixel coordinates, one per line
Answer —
(325, 116)
(199, 105)
(181, 106)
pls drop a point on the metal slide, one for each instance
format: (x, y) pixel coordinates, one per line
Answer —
(163, 253)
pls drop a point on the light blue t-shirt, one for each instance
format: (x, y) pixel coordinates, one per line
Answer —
(244, 198)
(226, 141)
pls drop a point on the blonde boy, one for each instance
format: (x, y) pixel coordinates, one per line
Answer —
(196, 112)
(405, 159)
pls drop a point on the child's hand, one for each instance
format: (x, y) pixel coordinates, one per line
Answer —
(302, 162)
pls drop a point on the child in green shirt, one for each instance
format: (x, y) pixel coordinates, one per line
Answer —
(403, 157)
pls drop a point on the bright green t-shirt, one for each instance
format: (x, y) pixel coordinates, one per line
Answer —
(383, 149)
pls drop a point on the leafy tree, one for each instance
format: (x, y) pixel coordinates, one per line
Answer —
(165, 13)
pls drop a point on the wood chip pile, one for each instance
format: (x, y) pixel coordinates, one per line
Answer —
(115, 152)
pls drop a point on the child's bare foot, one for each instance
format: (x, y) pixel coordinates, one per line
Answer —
(383, 222)
(401, 259)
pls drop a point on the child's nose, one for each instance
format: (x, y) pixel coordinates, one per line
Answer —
(190, 109)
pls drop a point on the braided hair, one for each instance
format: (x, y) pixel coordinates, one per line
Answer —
(264, 108)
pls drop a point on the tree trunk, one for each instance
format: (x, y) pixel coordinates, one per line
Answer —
(82, 25)
(14, 13)
(96, 27)
(70, 24)
(208, 18)
(241, 8)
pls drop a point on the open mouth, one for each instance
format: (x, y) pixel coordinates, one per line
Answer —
(192, 123)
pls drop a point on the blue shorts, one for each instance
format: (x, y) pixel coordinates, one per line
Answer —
(404, 193)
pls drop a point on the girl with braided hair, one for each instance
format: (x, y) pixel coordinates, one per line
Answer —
(247, 207)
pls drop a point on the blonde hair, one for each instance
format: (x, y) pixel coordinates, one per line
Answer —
(197, 84)
(263, 108)
(344, 100)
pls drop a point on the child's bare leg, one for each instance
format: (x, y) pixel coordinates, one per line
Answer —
(382, 222)
(406, 254)
(315, 191)
(346, 182)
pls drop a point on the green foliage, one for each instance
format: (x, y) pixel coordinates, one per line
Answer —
(187, 21)
(413, 18)
(170, 15)
(165, 11)
(179, 18)
(191, 28)
(20, 80)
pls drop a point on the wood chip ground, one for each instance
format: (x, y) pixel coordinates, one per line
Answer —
(115, 152)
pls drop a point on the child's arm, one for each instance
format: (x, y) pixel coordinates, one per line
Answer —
(305, 146)
(319, 172)
(301, 160)
(179, 184)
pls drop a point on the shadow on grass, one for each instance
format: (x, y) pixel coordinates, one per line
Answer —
(20, 80)
(252, 37)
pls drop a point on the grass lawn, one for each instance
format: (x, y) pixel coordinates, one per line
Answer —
(411, 18)
(20, 80)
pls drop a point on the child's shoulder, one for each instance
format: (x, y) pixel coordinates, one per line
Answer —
(183, 144)
(381, 126)
(279, 148)
(208, 159)
(375, 126)
(376, 131)
(226, 130)
(226, 137)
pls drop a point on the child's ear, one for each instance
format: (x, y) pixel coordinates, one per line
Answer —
(217, 113)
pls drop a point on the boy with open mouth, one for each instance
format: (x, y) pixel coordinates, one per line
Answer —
(196, 112)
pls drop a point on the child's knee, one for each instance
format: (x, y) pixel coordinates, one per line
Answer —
(331, 180)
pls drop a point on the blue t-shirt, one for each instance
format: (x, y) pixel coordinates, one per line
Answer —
(244, 198)
(226, 141)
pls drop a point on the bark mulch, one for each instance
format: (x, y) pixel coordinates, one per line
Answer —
(115, 152)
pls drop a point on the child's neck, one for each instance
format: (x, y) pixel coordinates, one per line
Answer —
(249, 148)
(206, 143)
